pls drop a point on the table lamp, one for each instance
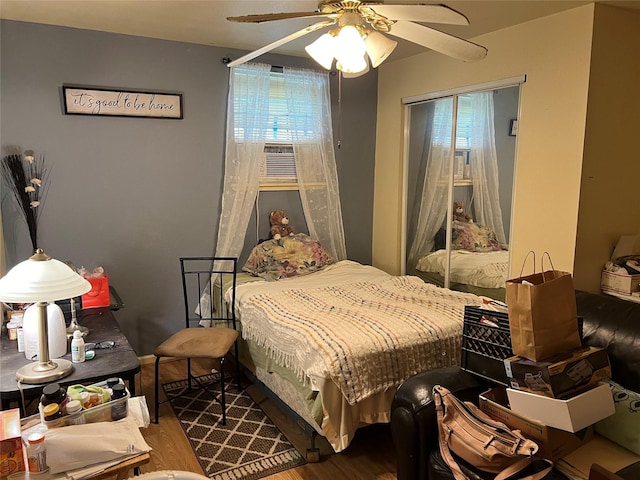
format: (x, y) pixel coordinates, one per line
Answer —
(40, 280)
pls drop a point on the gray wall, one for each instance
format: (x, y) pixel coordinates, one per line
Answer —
(135, 194)
(505, 103)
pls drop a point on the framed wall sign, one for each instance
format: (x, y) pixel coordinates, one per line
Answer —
(121, 103)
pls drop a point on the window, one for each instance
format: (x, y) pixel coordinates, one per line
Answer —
(278, 168)
(463, 125)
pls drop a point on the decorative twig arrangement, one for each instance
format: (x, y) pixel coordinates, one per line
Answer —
(27, 178)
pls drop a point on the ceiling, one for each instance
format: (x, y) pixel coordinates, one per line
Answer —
(204, 21)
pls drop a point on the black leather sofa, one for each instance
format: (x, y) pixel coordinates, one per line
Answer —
(608, 322)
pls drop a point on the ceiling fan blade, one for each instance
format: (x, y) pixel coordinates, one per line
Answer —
(282, 41)
(422, 13)
(439, 41)
(268, 17)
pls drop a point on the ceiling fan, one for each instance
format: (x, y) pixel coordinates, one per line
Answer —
(359, 33)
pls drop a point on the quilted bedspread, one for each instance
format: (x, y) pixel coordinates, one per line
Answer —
(366, 336)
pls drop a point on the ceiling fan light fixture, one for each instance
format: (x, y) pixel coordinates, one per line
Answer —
(350, 50)
(356, 74)
(349, 41)
(378, 47)
(322, 50)
(372, 20)
(355, 65)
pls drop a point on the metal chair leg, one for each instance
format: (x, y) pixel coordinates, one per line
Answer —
(155, 388)
(189, 373)
(223, 402)
(238, 372)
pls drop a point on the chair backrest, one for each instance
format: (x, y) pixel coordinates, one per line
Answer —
(209, 287)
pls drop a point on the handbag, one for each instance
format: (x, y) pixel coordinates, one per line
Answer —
(543, 317)
(484, 443)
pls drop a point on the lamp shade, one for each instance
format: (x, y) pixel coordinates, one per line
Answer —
(355, 75)
(41, 279)
(379, 47)
(322, 50)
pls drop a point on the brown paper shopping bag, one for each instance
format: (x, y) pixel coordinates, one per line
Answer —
(543, 316)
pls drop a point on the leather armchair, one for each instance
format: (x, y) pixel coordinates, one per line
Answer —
(608, 322)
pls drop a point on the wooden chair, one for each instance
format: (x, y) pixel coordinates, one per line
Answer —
(205, 281)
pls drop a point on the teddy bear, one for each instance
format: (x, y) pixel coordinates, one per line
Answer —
(459, 214)
(279, 224)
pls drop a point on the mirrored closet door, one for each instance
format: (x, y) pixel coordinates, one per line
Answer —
(460, 154)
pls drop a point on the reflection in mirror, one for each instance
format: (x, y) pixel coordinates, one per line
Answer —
(459, 193)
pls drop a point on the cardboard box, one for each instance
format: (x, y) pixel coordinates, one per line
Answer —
(561, 376)
(604, 452)
(570, 415)
(11, 454)
(553, 443)
(619, 283)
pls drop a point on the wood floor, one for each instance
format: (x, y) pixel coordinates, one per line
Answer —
(370, 455)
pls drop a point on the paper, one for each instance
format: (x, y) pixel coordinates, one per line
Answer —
(92, 470)
(84, 450)
(76, 446)
(627, 246)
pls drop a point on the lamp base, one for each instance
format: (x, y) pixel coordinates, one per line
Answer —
(38, 372)
(73, 327)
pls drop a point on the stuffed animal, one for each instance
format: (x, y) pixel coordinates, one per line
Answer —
(459, 214)
(279, 224)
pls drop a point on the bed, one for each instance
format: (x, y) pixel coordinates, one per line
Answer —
(335, 339)
(479, 262)
(481, 273)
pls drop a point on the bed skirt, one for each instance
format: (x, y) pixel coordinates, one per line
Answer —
(437, 279)
(325, 410)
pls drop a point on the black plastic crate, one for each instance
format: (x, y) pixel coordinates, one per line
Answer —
(486, 342)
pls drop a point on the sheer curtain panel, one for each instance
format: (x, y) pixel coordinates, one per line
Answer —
(247, 116)
(435, 200)
(309, 107)
(484, 164)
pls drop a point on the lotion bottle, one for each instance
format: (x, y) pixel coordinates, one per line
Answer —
(77, 347)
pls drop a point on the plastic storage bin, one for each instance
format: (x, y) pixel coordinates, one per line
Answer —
(98, 413)
(486, 342)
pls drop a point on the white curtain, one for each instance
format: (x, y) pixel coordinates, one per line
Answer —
(307, 94)
(247, 115)
(484, 165)
(434, 199)
(312, 138)
(484, 173)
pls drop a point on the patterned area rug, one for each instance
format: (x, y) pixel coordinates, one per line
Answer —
(248, 447)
